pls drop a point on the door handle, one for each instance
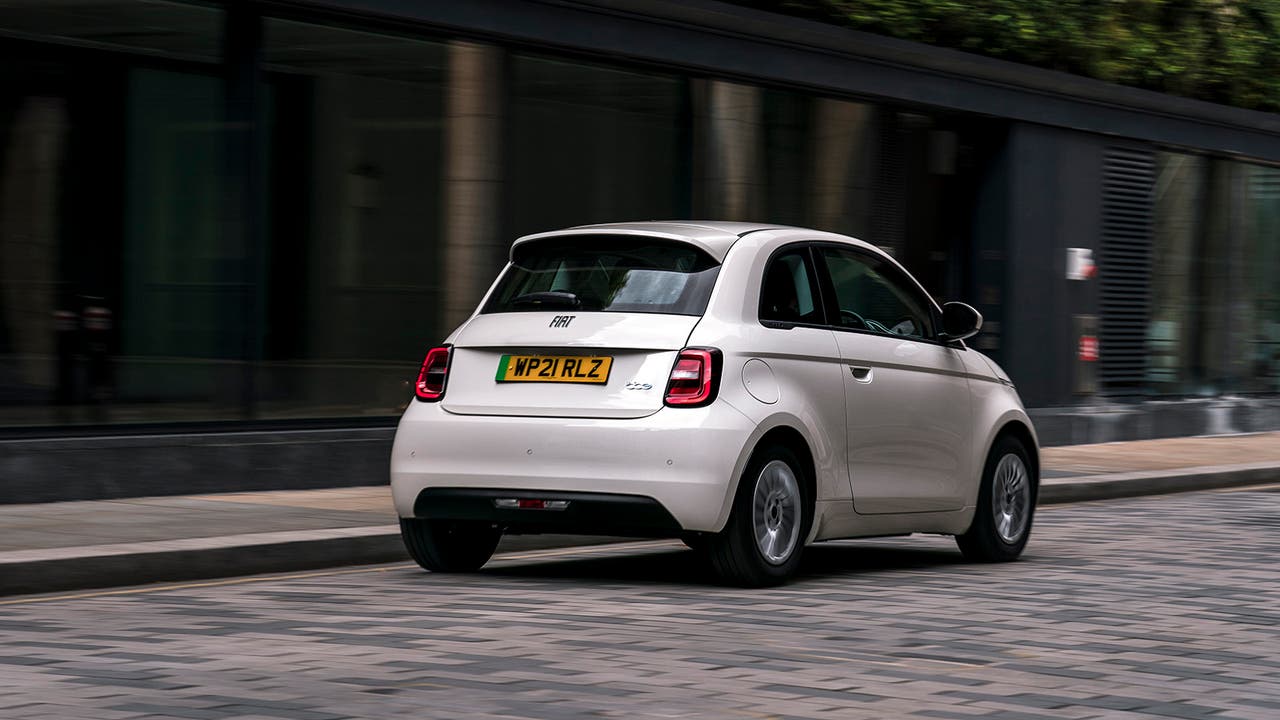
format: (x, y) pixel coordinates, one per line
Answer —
(861, 374)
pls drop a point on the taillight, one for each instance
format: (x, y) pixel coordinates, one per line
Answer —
(433, 375)
(694, 379)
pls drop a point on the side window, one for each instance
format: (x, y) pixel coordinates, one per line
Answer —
(872, 295)
(786, 293)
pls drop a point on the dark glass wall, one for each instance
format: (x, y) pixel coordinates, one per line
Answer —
(1261, 257)
(588, 143)
(277, 227)
(235, 217)
(180, 334)
(354, 204)
(112, 263)
(1215, 322)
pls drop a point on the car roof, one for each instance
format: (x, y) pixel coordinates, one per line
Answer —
(714, 237)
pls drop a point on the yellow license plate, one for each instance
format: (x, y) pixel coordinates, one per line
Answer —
(554, 368)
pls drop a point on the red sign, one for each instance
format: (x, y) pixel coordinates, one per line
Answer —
(1088, 348)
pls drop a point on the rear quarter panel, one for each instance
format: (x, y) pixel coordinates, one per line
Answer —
(805, 370)
(804, 363)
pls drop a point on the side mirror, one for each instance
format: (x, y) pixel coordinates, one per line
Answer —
(959, 322)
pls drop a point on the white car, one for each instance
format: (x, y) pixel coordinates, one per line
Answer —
(747, 388)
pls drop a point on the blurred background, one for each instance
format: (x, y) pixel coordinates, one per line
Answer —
(255, 217)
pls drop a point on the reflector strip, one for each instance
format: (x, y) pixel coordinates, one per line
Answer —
(529, 504)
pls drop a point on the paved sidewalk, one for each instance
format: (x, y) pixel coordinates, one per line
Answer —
(56, 546)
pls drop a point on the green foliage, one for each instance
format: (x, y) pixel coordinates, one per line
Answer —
(1225, 51)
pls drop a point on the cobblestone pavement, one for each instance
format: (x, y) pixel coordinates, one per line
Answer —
(1155, 608)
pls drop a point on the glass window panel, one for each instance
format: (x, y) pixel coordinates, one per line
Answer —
(606, 274)
(1178, 209)
(354, 194)
(1262, 285)
(1219, 360)
(593, 144)
(1215, 325)
(181, 309)
(872, 295)
(786, 294)
(115, 276)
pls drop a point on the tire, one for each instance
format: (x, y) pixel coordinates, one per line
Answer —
(444, 546)
(1006, 505)
(773, 494)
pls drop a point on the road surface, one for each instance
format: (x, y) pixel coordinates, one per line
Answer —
(1164, 607)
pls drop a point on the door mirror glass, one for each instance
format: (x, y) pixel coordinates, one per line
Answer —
(959, 321)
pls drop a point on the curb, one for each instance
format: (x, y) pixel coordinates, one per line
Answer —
(1155, 482)
(27, 572)
(61, 569)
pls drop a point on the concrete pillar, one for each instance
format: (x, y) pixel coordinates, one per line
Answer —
(473, 249)
(843, 163)
(729, 167)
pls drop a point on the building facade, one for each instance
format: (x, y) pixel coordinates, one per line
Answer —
(240, 224)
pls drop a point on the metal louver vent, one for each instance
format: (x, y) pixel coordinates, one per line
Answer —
(1265, 184)
(1124, 268)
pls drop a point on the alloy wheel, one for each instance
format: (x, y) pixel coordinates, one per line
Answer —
(775, 516)
(1011, 498)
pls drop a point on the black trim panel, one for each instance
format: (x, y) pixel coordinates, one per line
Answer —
(586, 514)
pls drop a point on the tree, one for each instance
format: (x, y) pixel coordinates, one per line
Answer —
(1224, 51)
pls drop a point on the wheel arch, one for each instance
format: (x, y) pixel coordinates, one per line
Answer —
(980, 541)
(790, 438)
(1020, 431)
(782, 430)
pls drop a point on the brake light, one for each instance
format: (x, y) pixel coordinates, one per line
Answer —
(433, 375)
(694, 378)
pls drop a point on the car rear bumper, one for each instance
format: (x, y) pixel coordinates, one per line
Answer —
(683, 460)
(575, 513)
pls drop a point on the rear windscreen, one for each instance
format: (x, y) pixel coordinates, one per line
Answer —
(606, 273)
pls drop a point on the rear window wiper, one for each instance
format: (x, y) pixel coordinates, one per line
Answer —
(552, 299)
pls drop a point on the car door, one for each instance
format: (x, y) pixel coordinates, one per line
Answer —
(907, 404)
